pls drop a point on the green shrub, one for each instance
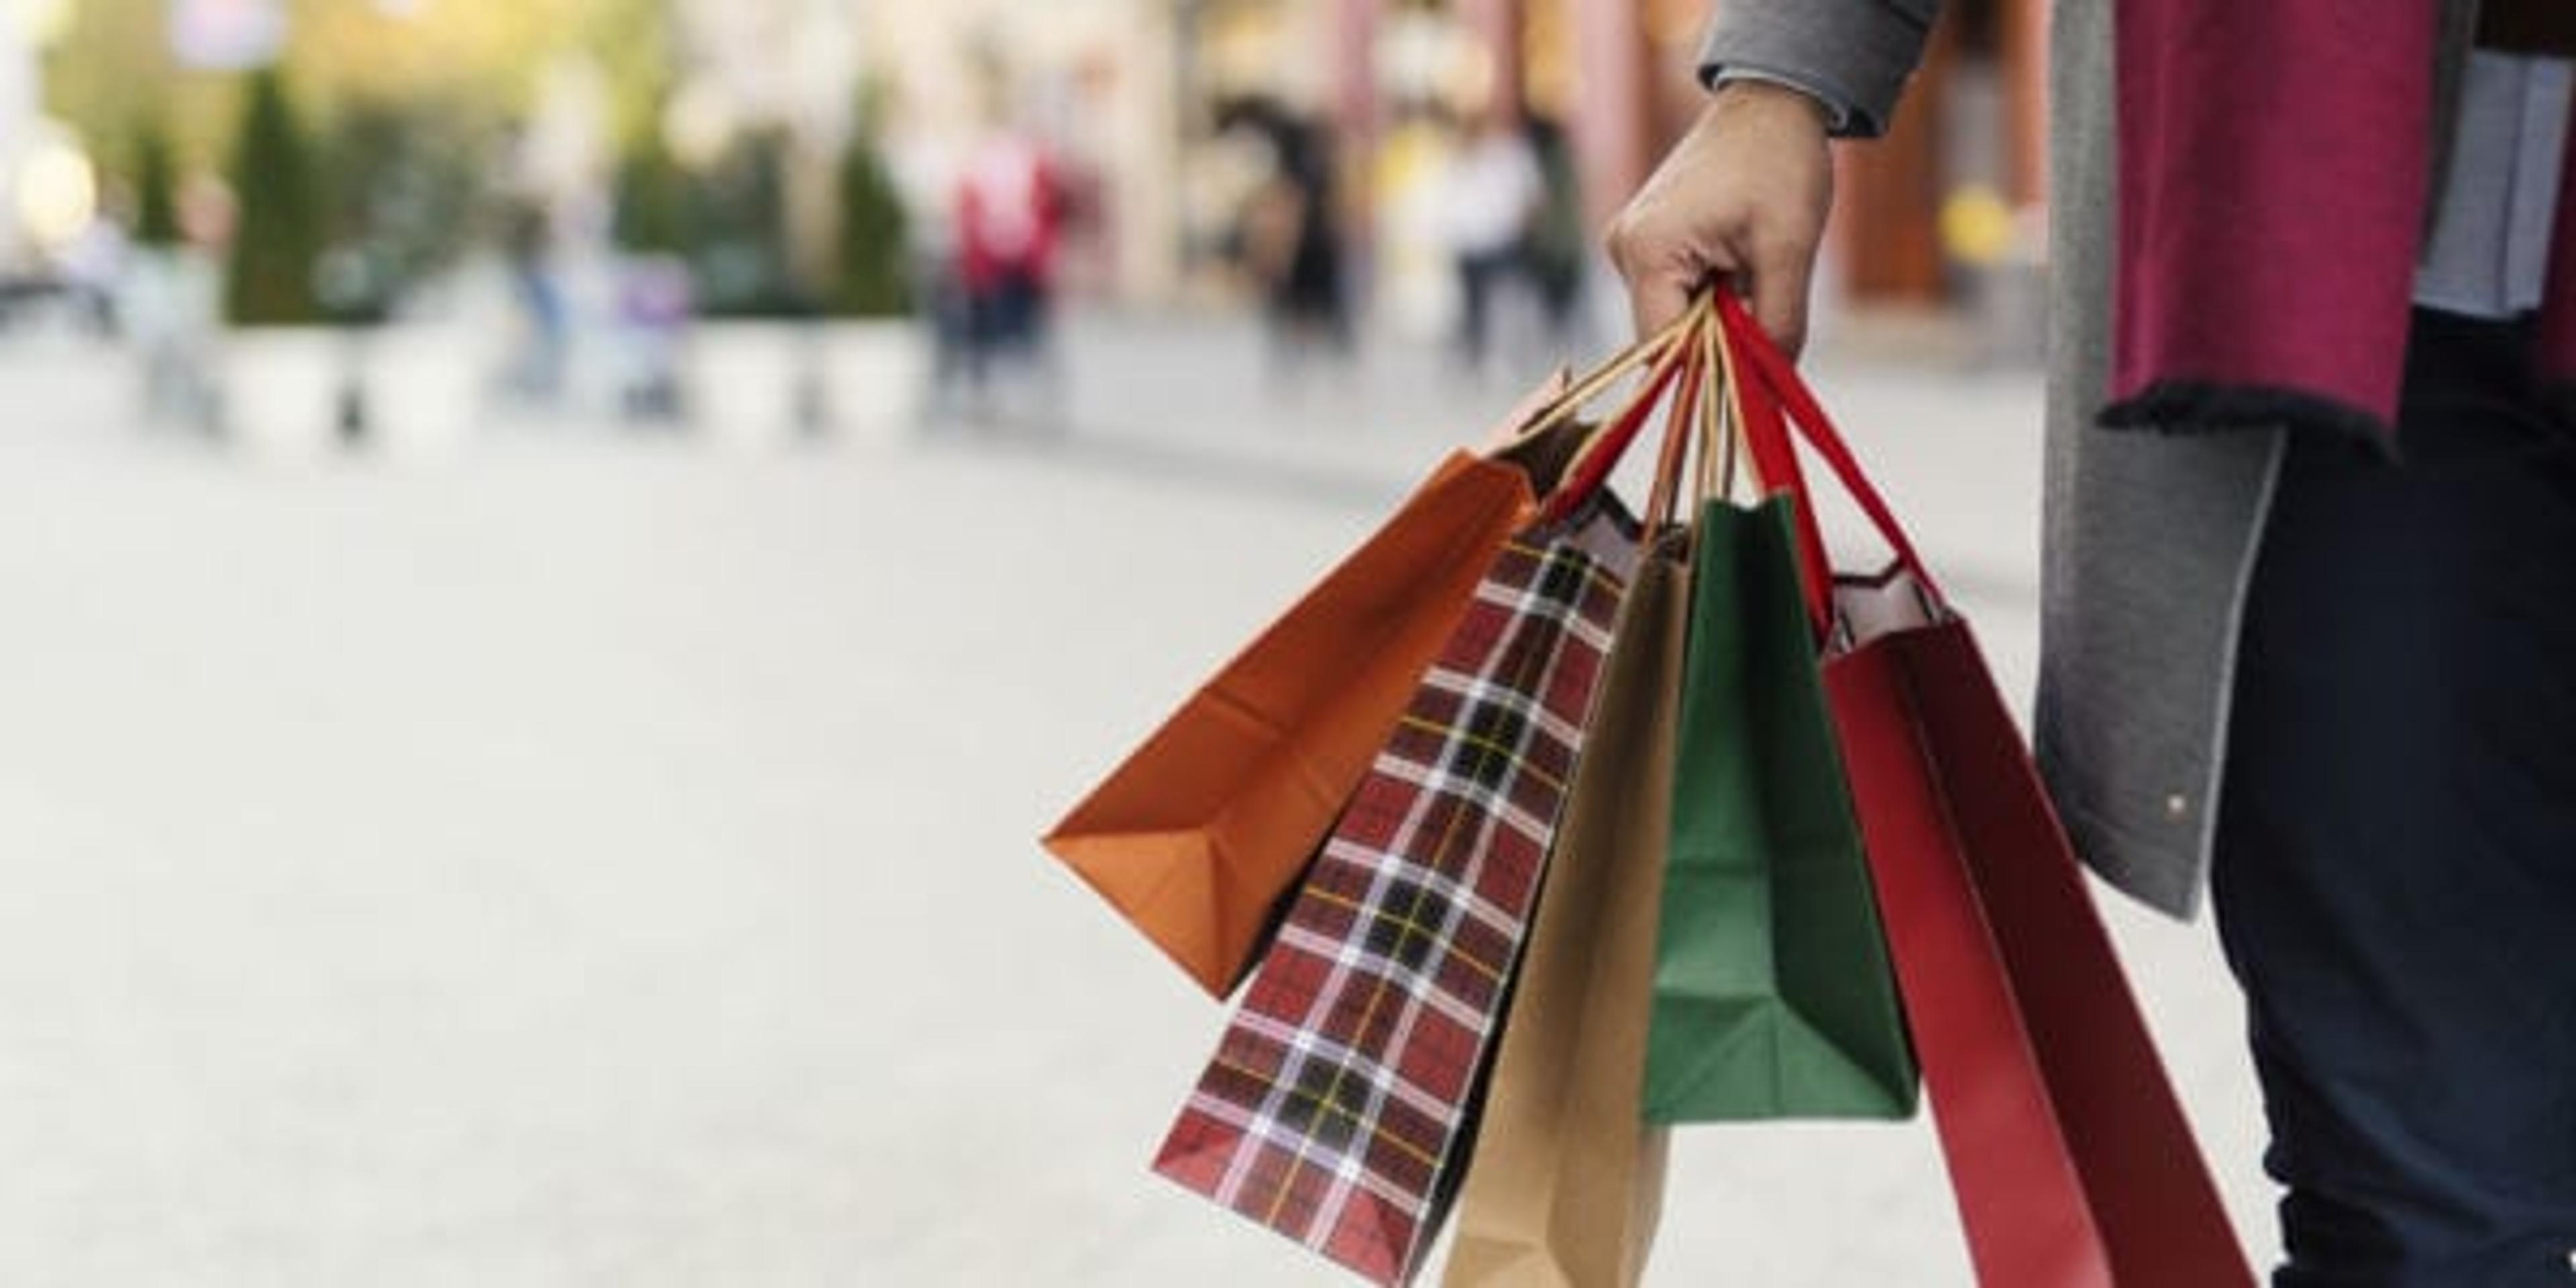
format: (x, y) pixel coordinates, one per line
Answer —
(737, 233)
(156, 191)
(874, 251)
(650, 210)
(403, 184)
(279, 236)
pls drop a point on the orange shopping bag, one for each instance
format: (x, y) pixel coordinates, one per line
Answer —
(1201, 832)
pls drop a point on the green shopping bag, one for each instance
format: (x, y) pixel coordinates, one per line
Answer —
(1773, 993)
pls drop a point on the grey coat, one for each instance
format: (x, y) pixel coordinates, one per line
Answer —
(2149, 539)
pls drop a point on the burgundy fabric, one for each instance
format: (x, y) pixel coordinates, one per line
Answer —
(2555, 348)
(2274, 173)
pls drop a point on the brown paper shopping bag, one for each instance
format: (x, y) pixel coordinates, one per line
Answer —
(1567, 1181)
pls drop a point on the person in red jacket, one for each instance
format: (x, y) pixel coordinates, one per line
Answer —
(1009, 220)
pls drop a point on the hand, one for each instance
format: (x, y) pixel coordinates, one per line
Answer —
(1743, 196)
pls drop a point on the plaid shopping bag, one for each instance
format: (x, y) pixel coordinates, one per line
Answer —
(1335, 1100)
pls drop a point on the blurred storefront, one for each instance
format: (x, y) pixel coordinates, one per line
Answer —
(1971, 138)
(1137, 97)
(1395, 83)
(1395, 77)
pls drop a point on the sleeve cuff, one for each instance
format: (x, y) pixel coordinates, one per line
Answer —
(1853, 55)
(1838, 115)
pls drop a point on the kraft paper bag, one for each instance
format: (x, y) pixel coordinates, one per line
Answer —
(1567, 1180)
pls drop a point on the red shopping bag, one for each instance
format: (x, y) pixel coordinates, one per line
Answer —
(2070, 1156)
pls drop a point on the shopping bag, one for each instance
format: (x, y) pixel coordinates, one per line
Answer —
(1200, 833)
(1336, 1094)
(1333, 1109)
(1195, 836)
(2069, 1154)
(1567, 1180)
(1773, 995)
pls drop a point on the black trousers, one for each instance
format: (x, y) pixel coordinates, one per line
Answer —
(2396, 872)
(1481, 278)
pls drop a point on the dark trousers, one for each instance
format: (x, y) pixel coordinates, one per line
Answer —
(2396, 872)
(1481, 277)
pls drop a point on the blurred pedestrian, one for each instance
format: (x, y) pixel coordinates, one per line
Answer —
(1556, 243)
(1292, 246)
(535, 372)
(2314, 642)
(171, 301)
(1491, 195)
(93, 267)
(1009, 217)
(925, 161)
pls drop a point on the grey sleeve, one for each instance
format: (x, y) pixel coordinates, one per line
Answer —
(1856, 54)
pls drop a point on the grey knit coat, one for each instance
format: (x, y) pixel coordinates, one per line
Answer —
(2150, 538)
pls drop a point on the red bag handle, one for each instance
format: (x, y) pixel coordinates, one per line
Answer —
(1592, 470)
(1776, 470)
(1776, 401)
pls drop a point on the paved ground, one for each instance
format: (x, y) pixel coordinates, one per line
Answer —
(562, 858)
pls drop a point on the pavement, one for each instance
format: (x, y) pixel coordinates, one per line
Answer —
(554, 856)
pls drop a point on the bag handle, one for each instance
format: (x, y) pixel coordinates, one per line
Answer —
(1600, 454)
(1554, 413)
(1768, 431)
(1685, 424)
(1776, 471)
(1721, 430)
(1707, 417)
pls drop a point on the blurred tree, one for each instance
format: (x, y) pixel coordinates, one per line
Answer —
(406, 182)
(727, 223)
(650, 211)
(481, 52)
(632, 41)
(738, 243)
(112, 75)
(874, 251)
(271, 277)
(156, 191)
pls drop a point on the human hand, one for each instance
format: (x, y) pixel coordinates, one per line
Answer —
(1743, 196)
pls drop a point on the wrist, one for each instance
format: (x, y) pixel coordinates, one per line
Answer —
(1764, 96)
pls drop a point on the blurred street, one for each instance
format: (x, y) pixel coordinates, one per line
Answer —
(542, 854)
(559, 555)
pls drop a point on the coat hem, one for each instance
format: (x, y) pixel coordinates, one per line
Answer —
(2151, 866)
(2166, 878)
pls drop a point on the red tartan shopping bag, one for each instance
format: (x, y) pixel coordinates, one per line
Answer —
(1331, 1108)
(1342, 1086)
